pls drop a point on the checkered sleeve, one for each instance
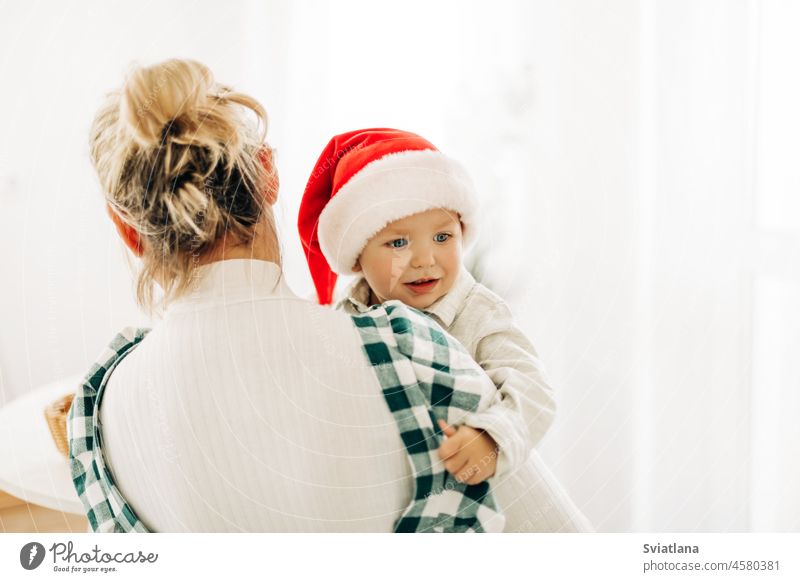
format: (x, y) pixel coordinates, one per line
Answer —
(426, 375)
(106, 509)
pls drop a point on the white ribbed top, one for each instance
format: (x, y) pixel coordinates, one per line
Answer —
(249, 409)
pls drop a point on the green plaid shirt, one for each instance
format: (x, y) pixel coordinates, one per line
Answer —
(424, 375)
(106, 509)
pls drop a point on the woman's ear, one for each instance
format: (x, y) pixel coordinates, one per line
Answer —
(267, 160)
(127, 233)
(357, 267)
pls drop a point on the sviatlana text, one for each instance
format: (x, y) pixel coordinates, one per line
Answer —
(670, 549)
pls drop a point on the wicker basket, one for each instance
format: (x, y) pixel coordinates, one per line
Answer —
(56, 415)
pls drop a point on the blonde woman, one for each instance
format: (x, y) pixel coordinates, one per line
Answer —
(247, 408)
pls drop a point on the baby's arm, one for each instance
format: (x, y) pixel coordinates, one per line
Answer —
(527, 408)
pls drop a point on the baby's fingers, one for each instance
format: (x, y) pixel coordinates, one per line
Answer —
(470, 473)
(456, 464)
(449, 448)
(447, 430)
(451, 445)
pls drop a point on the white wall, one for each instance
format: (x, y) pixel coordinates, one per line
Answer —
(775, 266)
(67, 289)
(584, 212)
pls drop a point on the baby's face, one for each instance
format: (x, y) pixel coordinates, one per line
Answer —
(415, 259)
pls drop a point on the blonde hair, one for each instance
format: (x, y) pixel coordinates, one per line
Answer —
(180, 162)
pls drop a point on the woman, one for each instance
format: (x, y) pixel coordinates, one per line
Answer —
(245, 408)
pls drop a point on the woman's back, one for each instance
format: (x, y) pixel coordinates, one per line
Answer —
(249, 409)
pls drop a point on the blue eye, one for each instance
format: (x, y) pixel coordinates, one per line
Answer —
(397, 243)
(441, 237)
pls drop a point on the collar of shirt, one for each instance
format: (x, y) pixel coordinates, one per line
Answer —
(357, 294)
(232, 281)
(445, 309)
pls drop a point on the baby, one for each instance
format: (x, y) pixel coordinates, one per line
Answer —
(388, 206)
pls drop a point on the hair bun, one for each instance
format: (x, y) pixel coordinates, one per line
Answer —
(183, 161)
(155, 99)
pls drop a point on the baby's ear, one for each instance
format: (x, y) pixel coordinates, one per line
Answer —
(357, 267)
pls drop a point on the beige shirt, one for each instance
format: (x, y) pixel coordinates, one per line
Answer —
(483, 323)
(250, 409)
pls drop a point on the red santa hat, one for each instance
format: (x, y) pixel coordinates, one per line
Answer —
(366, 179)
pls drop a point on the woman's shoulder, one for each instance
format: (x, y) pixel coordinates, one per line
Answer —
(336, 331)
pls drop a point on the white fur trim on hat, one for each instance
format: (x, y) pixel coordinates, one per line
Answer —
(388, 189)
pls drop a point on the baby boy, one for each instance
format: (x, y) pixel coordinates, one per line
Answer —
(387, 206)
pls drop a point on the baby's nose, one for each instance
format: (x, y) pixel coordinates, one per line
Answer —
(423, 257)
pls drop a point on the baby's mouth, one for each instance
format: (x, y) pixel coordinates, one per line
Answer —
(424, 285)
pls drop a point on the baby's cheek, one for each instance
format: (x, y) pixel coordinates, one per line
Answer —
(395, 269)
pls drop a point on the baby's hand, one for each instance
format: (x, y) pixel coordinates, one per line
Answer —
(469, 455)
